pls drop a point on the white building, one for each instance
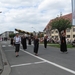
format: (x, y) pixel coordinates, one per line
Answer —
(70, 33)
(6, 34)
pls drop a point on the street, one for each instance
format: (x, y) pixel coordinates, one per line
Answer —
(49, 61)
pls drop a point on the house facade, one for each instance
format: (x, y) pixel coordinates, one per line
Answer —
(5, 35)
(70, 33)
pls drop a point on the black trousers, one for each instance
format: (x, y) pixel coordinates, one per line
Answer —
(36, 48)
(17, 47)
(45, 45)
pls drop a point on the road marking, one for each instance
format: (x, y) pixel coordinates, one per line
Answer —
(13, 46)
(28, 64)
(3, 45)
(9, 45)
(52, 63)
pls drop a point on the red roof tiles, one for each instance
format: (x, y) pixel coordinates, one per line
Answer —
(68, 16)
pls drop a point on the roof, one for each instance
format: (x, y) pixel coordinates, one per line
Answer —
(68, 16)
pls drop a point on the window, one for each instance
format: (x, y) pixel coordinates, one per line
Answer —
(73, 29)
(68, 30)
(56, 31)
(73, 36)
(56, 36)
(68, 36)
(52, 31)
(52, 36)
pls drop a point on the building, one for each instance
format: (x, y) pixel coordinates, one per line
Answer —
(70, 33)
(5, 35)
(73, 12)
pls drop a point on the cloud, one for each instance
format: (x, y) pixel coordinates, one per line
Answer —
(25, 14)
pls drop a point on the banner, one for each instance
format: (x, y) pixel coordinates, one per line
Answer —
(73, 12)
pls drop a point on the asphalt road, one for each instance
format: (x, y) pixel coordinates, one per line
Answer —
(49, 61)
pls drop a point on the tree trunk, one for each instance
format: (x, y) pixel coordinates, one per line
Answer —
(65, 31)
(60, 35)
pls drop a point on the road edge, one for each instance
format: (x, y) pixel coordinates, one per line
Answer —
(6, 66)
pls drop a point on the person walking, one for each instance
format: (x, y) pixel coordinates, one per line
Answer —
(45, 41)
(11, 41)
(17, 41)
(63, 46)
(36, 45)
(29, 40)
(24, 42)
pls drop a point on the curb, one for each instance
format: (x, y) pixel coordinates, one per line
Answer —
(1, 63)
(6, 66)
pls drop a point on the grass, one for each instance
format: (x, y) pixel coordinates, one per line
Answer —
(58, 46)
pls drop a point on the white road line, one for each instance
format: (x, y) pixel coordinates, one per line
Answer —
(9, 45)
(3, 45)
(52, 63)
(27, 64)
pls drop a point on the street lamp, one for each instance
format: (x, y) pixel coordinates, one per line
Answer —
(35, 33)
(34, 28)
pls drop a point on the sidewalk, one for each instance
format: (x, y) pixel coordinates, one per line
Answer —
(4, 65)
(1, 63)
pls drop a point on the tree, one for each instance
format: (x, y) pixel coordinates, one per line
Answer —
(12, 35)
(60, 24)
(40, 34)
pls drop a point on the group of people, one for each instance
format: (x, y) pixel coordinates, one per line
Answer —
(17, 40)
(23, 40)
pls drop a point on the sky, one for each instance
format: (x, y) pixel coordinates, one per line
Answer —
(30, 15)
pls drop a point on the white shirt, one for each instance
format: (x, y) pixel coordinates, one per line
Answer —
(17, 40)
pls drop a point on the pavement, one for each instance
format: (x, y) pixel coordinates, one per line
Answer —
(5, 64)
(1, 63)
(49, 61)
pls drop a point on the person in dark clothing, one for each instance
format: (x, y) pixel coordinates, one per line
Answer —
(36, 45)
(21, 39)
(11, 42)
(29, 41)
(45, 41)
(24, 42)
(63, 46)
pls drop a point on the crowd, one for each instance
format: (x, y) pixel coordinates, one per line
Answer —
(17, 40)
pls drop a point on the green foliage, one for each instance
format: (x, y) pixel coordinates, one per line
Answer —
(61, 24)
(40, 34)
(12, 35)
(58, 45)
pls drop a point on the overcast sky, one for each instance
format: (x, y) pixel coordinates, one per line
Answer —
(30, 15)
